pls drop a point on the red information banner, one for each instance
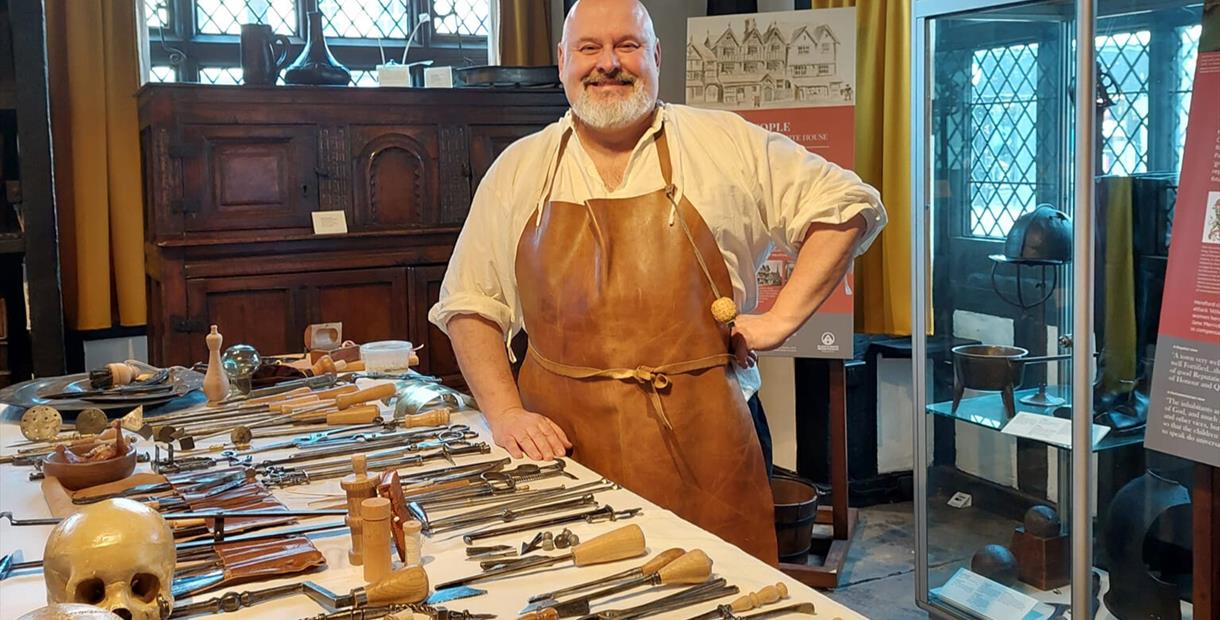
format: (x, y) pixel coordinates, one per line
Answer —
(794, 73)
(1184, 416)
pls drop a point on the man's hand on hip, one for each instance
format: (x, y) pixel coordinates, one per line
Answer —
(525, 433)
(757, 332)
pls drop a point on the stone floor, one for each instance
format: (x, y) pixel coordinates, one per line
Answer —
(879, 578)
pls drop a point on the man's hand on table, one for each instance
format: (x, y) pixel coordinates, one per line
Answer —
(525, 433)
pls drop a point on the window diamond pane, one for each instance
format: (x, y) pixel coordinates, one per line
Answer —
(156, 13)
(1003, 110)
(365, 19)
(162, 73)
(1184, 61)
(220, 75)
(1124, 57)
(227, 16)
(362, 77)
(462, 17)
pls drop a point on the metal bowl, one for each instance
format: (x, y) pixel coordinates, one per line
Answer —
(989, 367)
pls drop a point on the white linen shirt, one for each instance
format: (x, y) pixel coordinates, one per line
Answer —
(754, 188)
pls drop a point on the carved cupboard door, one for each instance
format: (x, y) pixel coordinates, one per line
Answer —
(396, 176)
(248, 177)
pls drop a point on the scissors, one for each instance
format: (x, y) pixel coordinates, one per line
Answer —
(458, 435)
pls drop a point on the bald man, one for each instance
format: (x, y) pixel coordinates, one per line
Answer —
(622, 239)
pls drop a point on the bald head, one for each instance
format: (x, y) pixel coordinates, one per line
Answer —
(625, 11)
(609, 63)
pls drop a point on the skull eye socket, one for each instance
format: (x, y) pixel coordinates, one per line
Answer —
(90, 591)
(145, 586)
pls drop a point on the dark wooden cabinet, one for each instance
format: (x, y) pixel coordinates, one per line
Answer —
(233, 175)
(436, 357)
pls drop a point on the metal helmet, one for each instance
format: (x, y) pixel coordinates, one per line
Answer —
(1039, 237)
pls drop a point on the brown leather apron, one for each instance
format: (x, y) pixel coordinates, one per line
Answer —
(627, 359)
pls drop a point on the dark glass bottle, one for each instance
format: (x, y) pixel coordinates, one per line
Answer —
(315, 65)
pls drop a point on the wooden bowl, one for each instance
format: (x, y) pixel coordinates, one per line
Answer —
(76, 476)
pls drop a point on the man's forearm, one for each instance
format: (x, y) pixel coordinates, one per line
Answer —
(825, 255)
(479, 345)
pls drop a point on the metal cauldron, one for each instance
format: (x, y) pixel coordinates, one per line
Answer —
(992, 368)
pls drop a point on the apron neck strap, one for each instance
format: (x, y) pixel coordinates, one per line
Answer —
(662, 143)
(563, 146)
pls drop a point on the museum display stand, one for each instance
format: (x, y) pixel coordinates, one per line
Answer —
(1027, 507)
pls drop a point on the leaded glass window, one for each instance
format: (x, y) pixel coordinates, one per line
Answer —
(1003, 110)
(1187, 51)
(1124, 57)
(198, 39)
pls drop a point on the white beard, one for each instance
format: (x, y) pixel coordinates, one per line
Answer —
(613, 113)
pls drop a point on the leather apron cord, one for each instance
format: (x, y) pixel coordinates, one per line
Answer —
(655, 379)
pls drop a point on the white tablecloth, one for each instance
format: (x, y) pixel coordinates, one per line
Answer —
(444, 555)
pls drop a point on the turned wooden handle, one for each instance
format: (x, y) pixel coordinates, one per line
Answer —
(352, 366)
(289, 405)
(693, 567)
(363, 414)
(625, 542)
(385, 390)
(323, 366)
(546, 613)
(765, 596)
(436, 417)
(663, 558)
(405, 585)
(336, 392)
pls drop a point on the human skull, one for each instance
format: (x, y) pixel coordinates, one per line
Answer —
(116, 554)
(69, 611)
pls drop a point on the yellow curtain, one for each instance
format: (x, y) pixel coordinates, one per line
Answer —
(525, 33)
(883, 158)
(93, 69)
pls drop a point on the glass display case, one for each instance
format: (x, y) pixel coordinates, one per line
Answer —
(1041, 251)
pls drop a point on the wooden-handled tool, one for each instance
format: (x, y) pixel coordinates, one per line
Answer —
(649, 567)
(336, 392)
(377, 392)
(693, 567)
(409, 585)
(360, 414)
(358, 487)
(625, 542)
(436, 417)
(405, 585)
(746, 602)
(754, 600)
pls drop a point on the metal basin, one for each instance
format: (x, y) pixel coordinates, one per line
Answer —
(989, 367)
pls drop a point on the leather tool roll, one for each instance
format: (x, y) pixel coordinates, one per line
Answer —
(261, 559)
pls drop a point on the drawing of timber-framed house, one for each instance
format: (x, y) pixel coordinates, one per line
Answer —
(759, 69)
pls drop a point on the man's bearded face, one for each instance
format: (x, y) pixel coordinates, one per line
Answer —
(612, 100)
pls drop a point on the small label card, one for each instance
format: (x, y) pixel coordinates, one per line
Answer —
(961, 500)
(972, 592)
(329, 222)
(1048, 429)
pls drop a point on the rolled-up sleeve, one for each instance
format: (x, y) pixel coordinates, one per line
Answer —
(479, 278)
(799, 188)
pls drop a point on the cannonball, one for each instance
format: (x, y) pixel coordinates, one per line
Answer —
(996, 563)
(1042, 521)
